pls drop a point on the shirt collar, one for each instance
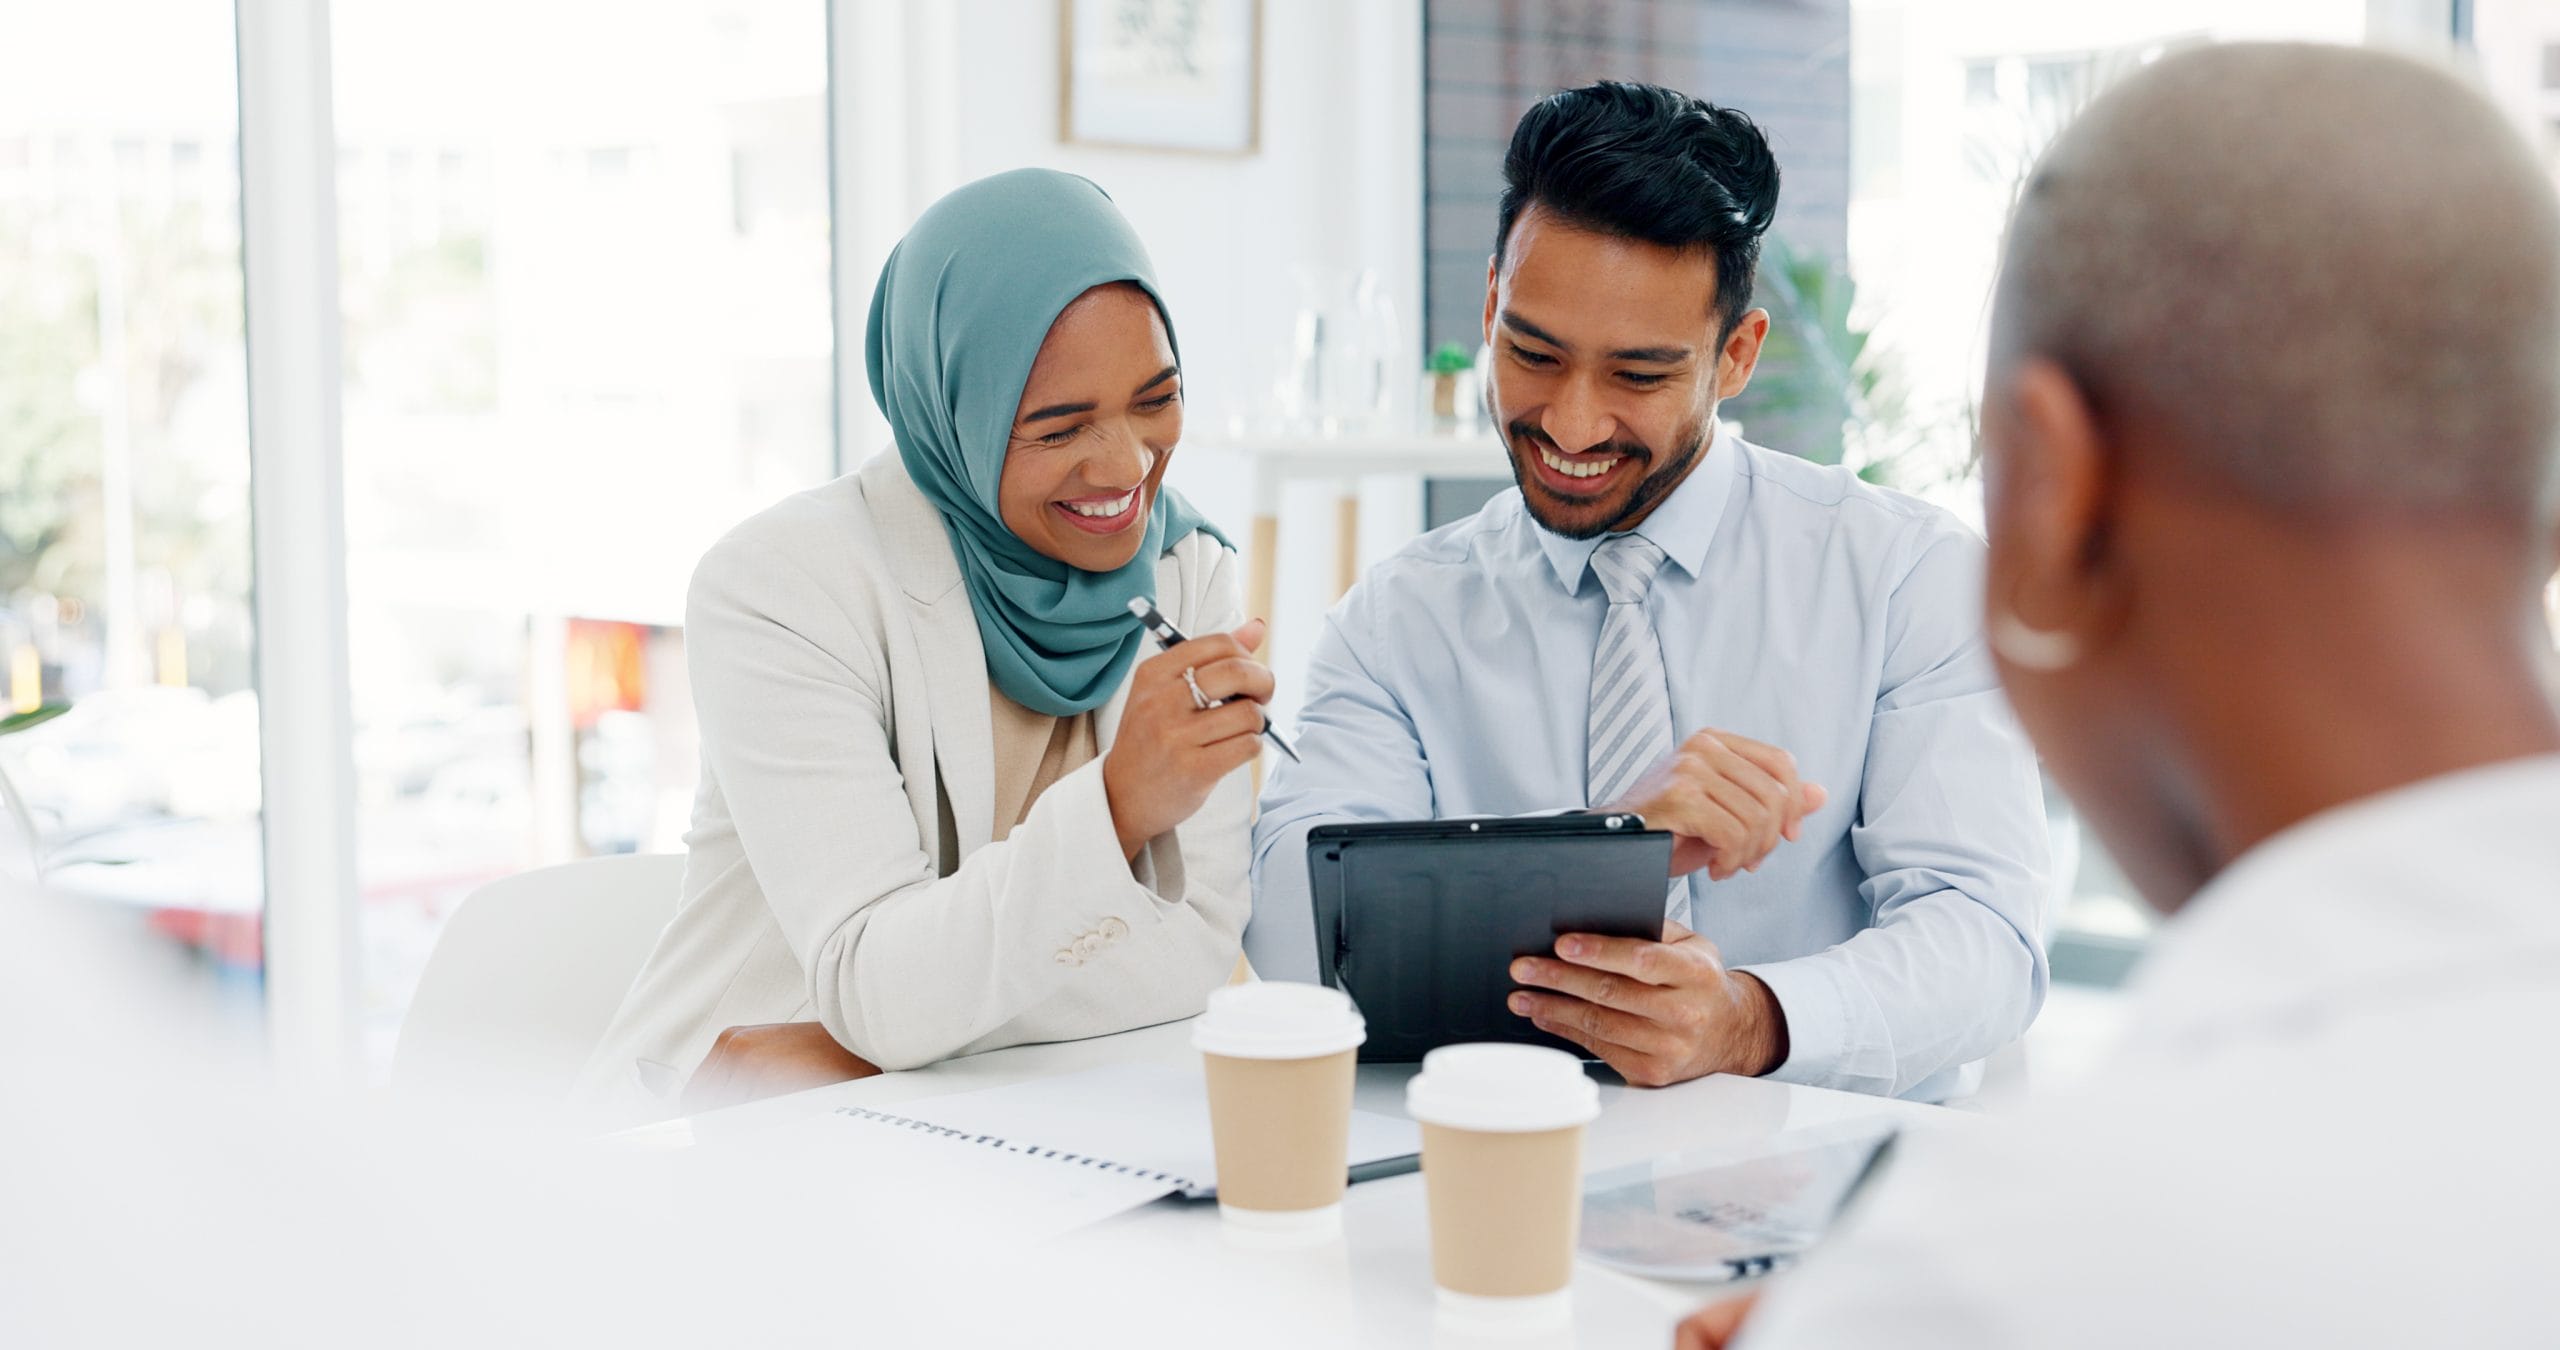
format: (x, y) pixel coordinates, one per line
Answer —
(1683, 526)
(2393, 891)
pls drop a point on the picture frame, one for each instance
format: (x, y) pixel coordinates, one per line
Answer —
(1175, 75)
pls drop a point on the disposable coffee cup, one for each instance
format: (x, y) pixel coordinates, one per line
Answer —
(1502, 1167)
(1280, 1062)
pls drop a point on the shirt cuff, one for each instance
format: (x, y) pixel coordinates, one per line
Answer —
(1817, 1025)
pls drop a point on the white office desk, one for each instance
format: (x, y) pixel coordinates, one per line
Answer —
(1168, 1274)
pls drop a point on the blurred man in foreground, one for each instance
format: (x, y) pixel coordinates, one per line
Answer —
(2269, 419)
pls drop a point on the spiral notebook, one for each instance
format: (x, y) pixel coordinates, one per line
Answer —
(1054, 1154)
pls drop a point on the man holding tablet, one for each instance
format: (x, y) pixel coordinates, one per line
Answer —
(1775, 661)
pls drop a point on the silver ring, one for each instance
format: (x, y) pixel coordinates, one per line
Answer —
(1198, 699)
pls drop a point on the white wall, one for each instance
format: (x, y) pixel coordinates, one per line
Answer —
(1336, 184)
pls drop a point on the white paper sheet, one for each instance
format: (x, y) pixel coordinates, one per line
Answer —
(1019, 1164)
(1151, 1117)
(891, 1174)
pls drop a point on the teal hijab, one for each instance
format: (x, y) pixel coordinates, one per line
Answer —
(960, 313)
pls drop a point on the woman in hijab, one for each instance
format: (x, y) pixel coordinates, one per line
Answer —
(949, 801)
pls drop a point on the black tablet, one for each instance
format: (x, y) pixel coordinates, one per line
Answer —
(1419, 921)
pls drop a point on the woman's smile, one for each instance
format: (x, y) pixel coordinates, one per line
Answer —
(1107, 513)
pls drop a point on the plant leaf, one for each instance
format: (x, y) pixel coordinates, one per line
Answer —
(44, 713)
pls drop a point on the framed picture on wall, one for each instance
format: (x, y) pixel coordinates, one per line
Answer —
(1161, 74)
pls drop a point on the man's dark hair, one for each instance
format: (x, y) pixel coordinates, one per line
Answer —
(1643, 162)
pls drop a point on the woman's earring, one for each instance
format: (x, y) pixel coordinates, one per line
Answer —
(2025, 645)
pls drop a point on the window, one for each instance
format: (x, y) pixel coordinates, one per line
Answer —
(2509, 36)
(587, 330)
(124, 523)
(1978, 89)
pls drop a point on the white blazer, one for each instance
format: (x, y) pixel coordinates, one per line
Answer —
(842, 695)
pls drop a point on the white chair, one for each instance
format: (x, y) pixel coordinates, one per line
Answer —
(529, 972)
(21, 844)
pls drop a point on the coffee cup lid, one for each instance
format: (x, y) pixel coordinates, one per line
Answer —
(1278, 1019)
(1514, 1089)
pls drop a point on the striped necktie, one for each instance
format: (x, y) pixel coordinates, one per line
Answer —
(1630, 695)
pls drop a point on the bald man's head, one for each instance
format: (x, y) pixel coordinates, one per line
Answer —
(2325, 279)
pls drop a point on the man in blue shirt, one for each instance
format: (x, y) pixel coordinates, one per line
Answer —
(1776, 661)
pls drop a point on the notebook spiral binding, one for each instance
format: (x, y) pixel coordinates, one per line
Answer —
(1008, 1146)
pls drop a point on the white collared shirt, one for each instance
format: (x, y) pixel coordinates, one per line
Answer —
(1901, 934)
(2331, 1124)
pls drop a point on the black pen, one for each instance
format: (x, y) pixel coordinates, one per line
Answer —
(1171, 636)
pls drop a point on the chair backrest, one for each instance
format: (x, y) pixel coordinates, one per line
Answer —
(21, 847)
(529, 972)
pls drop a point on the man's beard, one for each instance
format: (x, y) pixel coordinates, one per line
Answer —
(1649, 490)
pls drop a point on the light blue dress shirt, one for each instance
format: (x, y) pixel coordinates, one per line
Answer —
(1799, 606)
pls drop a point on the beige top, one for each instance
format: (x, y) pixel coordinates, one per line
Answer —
(847, 748)
(1033, 751)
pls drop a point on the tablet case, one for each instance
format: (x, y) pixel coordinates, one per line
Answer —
(1419, 921)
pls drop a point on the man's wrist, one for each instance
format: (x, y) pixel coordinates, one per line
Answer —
(1763, 1044)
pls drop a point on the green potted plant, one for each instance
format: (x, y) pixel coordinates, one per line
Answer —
(1448, 362)
(1839, 398)
(16, 806)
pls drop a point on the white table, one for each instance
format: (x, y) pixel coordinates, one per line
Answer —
(1168, 1274)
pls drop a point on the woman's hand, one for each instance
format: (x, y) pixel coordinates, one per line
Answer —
(1715, 1326)
(1171, 752)
(750, 1063)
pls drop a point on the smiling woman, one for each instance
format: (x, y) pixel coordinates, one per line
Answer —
(1100, 416)
(946, 807)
